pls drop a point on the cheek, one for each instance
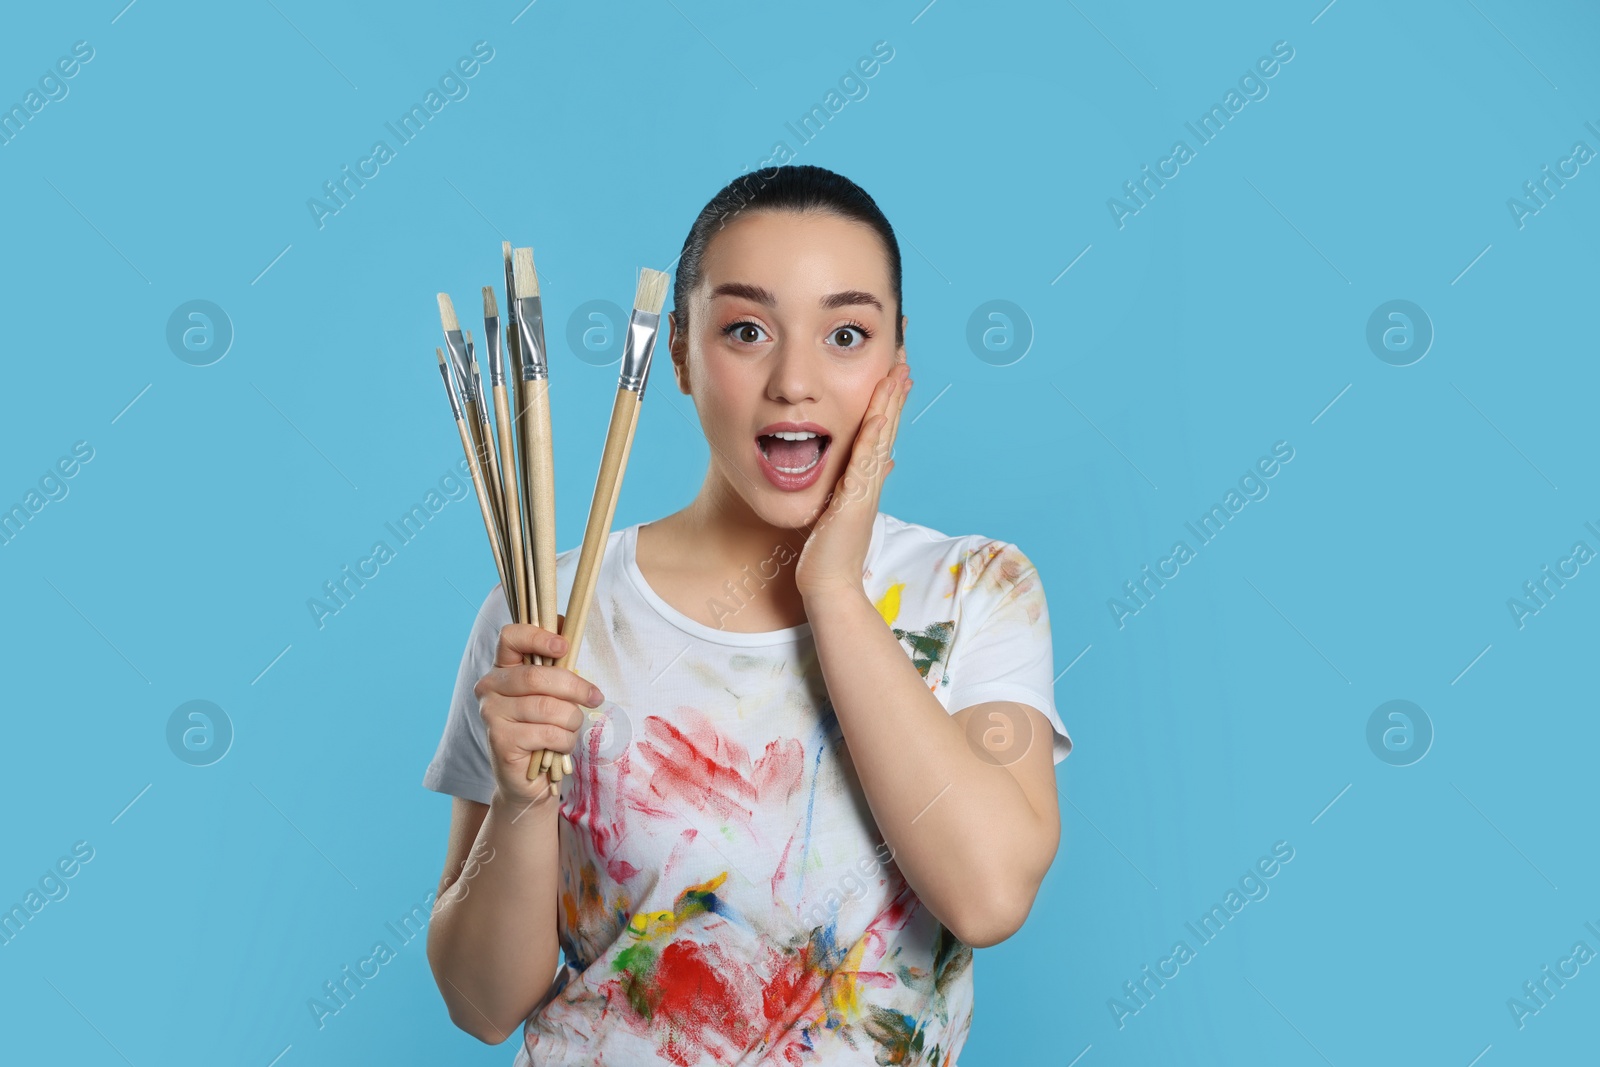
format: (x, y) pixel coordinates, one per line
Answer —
(725, 394)
(856, 398)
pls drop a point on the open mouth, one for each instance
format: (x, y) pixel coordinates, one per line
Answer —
(793, 451)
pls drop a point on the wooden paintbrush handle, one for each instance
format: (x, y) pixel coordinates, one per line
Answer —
(607, 486)
(512, 496)
(542, 499)
(536, 475)
(486, 459)
(488, 513)
(511, 493)
(602, 507)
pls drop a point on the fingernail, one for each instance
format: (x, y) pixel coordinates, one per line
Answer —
(596, 698)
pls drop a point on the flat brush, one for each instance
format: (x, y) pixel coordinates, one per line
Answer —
(644, 324)
(538, 464)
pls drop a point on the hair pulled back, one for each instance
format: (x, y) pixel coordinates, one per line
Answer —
(799, 188)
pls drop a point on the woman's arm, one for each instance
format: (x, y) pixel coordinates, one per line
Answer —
(492, 940)
(972, 838)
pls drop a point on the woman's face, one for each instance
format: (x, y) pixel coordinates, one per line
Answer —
(789, 330)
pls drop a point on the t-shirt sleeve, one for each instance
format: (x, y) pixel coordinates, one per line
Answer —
(460, 766)
(1002, 648)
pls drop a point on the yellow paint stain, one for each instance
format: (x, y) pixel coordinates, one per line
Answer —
(889, 604)
(713, 883)
(657, 923)
(844, 990)
(651, 923)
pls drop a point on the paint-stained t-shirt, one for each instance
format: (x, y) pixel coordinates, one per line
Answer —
(725, 894)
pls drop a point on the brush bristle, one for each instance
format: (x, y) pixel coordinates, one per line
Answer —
(440, 353)
(447, 313)
(491, 308)
(505, 251)
(652, 291)
(523, 277)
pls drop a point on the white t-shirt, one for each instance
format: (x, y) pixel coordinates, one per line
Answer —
(726, 896)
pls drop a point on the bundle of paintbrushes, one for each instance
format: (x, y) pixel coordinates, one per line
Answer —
(511, 459)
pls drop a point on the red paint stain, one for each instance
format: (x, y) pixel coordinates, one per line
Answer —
(793, 985)
(693, 764)
(704, 1010)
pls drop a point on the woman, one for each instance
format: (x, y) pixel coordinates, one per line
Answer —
(821, 768)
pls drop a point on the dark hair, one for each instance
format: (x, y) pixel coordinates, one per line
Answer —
(786, 188)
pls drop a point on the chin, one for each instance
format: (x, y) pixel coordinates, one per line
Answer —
(790, 511)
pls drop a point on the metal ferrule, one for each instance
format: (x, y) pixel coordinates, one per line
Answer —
(491, 338)
(450, 391)
(477, 389)
(511, 298)
(641, 341)
(512, 348)
(456, 341)
(530, 328)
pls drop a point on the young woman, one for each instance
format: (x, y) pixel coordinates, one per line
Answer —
(820, 765)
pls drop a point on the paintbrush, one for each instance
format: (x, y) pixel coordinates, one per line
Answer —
(506, 468)
(513, 341)
(461, 356)
(517, 402)
(484, 505)
(456, 343)
(644, 324)
(514, 398)
(538, 462)
(487, 445)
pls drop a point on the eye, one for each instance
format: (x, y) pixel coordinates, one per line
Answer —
(841, 335)
(744, 331)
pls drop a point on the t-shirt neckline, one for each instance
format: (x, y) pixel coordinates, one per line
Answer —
(696, 628)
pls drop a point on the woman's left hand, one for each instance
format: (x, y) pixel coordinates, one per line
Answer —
(835, 554)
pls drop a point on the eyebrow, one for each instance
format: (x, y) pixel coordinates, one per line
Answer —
(761, 295)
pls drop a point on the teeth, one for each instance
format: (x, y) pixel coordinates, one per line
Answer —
(799, 470)
(793, 435)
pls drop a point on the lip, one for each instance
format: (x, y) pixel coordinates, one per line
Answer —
(792, 483)
(798, 427)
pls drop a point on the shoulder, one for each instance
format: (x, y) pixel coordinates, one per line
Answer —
(928, 572)
(968, 558)
(567, 559)
(610, 564)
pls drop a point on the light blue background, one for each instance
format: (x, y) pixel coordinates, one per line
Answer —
(1227, 315)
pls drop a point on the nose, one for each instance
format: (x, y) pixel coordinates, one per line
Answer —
(793, 375)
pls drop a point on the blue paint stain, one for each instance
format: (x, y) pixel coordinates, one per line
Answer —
(827, 730)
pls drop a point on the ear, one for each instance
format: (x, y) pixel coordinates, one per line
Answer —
(678, 346)
(900, 354)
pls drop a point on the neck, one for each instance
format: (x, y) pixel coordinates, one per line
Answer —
(721, 527)
(718, 537)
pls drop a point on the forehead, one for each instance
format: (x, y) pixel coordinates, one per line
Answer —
(798, 255)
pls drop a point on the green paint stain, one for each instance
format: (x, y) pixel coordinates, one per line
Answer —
(927, 646)
(637, 965)
(896, 1034)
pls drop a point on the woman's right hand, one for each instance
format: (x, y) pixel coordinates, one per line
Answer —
(528, 708)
